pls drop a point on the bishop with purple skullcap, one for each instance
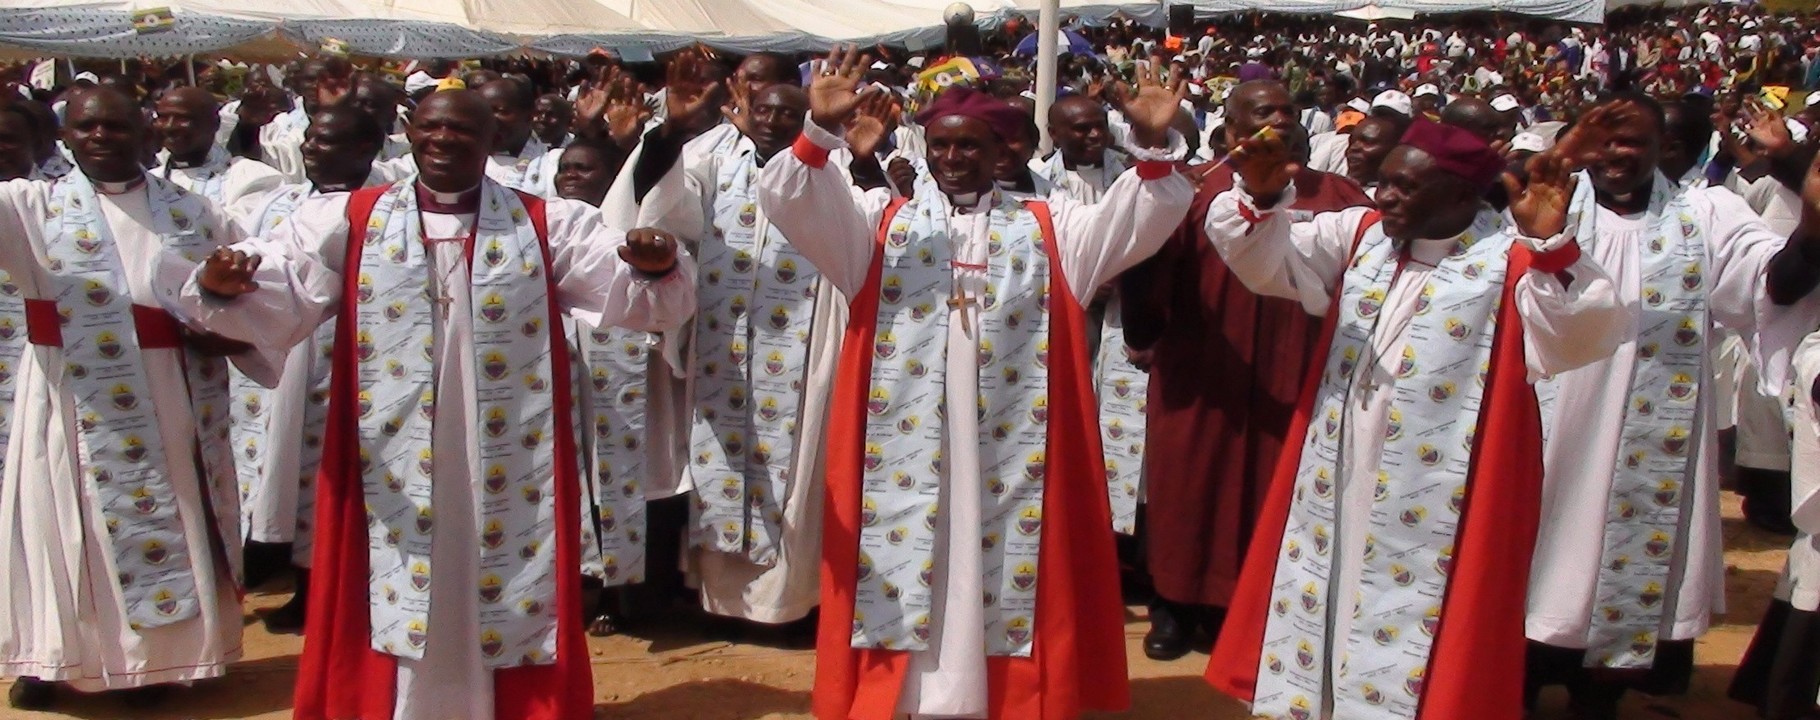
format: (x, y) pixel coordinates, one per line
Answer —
(1456, 151)
(1006, 121)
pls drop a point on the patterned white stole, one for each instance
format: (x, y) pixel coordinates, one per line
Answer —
(903, 465)
(526, 174)
(208, 180)
(742, 442)
(118, 447)
(617, 363)
(396, 311)
(1413, 520)
(253, 405)
(1649, 502)
(1123, 397)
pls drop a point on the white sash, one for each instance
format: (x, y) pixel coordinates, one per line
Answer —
(514, 413)
(903, 467)
(1421, 485)
(1649, 501)
(1123, 391)
(251, 411)
(118, 446)
(617, 361)
(743, 440)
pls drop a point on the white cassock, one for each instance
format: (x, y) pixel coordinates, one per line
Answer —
(301, 286)
(61, 617)
(239, 194)
(274, 506)
(836, 226)
(1587, 424)
(1082, 183)
(682, 202)
(1763, 440)
(1800, 584)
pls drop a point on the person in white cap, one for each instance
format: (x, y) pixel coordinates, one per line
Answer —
(1427, 99)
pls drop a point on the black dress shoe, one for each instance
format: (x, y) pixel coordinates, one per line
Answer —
(1171, 632)
(288, 619)
(30, 693)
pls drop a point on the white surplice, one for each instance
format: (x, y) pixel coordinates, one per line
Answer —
(61, 616)
(1564, 327)
(1586, 424)
(836, 226)
(242, 192)
(281, 142)
(1800, 583)
(301, 285)
(682, 202)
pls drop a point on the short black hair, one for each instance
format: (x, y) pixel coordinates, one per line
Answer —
(1693, 126)
(367, 126)
(1650, 104)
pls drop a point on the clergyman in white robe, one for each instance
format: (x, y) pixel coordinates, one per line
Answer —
(301, 287)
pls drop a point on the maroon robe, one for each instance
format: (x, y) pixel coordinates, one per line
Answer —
(1226, 366)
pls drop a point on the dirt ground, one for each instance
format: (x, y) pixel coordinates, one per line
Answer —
(674, 674)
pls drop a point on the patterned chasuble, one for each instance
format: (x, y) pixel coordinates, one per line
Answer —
(515, 406)
(903, 466)
(1414, 517)
(118, 446)
(1644, 520)
(748, 372)
(1123, 391)
(251, 411)
(616, 363)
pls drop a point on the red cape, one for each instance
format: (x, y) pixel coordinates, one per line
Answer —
(1078, 659)
(340, 676)
(1476, 668)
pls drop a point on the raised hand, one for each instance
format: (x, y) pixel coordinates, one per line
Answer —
(1156, 104)
(738, 109)
(690, 87)
(1810, 195)
(834, 93)
(650, 250)
(1539, 206)
(872, 122)
(1586, 142)
(902, 175)
(336, 84)
(1766, 129)
(228, 274)
(627, 111)
(1264, 163)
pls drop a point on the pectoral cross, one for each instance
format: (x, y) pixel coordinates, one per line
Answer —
(958, 299)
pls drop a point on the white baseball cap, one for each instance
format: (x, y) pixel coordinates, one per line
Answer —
(1393, 100)
(1360, 105)
(1529, 142)
(1426, 89)
(1505, 103)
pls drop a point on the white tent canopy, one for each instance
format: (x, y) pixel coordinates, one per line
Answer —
(470, 28)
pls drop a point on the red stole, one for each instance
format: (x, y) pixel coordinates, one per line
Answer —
(1476, 669)
(1078, 661)
(340, 676)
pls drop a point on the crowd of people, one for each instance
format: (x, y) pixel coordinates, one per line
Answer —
(1396, 366)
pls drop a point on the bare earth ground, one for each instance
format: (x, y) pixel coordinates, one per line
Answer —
(673, 674)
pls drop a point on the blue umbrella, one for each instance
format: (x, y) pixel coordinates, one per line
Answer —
(1069, 42)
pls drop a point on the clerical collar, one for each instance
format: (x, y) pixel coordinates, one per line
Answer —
(461, 203)
(176, 164)
(118, 188)
(345, 187)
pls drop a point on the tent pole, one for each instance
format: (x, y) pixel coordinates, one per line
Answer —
(1048, 26)
(189, 63)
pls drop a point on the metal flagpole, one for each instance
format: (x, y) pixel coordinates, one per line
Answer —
(1048, 30)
